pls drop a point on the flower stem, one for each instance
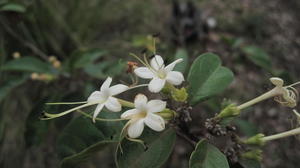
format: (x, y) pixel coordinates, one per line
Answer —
(292, 132)
(260, 98)
(126, 103)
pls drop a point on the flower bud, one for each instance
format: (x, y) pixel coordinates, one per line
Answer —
(34, 76)
(255, 140)
(179, 95)
(229, 111)
(167, 114)
(255, 154)
(16, 55)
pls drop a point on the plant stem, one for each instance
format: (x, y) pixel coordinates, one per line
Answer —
(260, 98)
(126, 103)
(282, 135)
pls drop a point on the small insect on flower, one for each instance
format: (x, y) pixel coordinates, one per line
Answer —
(144, 113)
(159, 74)
(131, 66)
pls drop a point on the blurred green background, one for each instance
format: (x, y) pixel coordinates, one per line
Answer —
(54, 50)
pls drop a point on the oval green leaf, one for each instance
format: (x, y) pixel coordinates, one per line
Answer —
(207, 78)
(207, 156)
(160, 145)
(28, 64)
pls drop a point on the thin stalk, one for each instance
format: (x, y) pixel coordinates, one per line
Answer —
(292, 132)
(260, 98)
(99, 119)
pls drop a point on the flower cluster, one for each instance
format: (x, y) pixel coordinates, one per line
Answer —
(143, 112)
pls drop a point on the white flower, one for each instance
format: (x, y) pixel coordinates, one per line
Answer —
(144, 113)
(104, 97)
(286, 95)
(160, 74)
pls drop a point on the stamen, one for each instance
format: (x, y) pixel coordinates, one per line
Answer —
(138, 141)
(56, 103)
(51, 116)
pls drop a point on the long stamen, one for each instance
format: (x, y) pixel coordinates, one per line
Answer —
(51, 116)
(138, 141)
(56, 103)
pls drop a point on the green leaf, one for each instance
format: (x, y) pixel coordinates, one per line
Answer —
(246, 127)
(160, 145)
(207, 78)
(81, 138)
(258, 56)
(77, 159)
(81, 59)
(207, 156)
(28, 64)
(248, 163)
(181, 54)
(103, 69)
(9, 85)
(13, 7)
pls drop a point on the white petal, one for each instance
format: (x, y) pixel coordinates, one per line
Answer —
(113, 104)
(154, 106)
(175, 77)
(140, 102)
(144, 72)
(96, 96)
(277, 81)
(117, 89)
(106, 84)
(171, 66)
(136, 128)
(157, 62)
(156, 84)
(155, 122)
(129, 113)
(97, 111)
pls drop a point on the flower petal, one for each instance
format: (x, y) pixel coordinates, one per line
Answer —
(117, 89)
(157, 62)
(97, 111)
(113, 104)
(106, 84)
(277, 81)
(175, 77)
(96, 96)
(156, 84)
(144, 72)
(154, 106)
(129, 113)
(171, 66)
(140, 102)
(155, 122)
(136, 128)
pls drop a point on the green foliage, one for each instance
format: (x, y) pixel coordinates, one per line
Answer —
(258, 56)
(247, 128)
(81, 133)
(81, 59)
(76, 159)
(249, 163)
(160, 145)
(207, 156)
(27, 64)
(12, 7)
(181, 53)
(207, 78)
(10, 84)
(103, 69)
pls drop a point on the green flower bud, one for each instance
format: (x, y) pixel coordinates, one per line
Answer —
(229, 111)
(179, 95)
(167, 114)
(255, 154)
(255, 140)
